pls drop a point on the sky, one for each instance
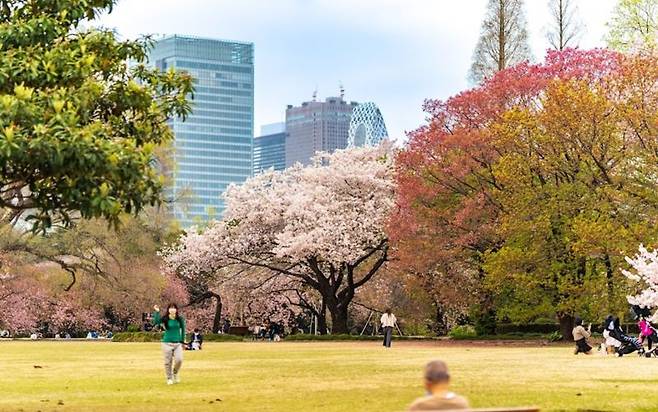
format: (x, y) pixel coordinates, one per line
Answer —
(396, 53)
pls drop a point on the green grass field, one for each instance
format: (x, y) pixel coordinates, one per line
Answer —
(314, 376)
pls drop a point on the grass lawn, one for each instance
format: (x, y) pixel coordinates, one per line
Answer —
(314, 376)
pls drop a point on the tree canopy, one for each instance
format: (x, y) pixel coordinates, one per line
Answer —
(538, 182)
(78, 124)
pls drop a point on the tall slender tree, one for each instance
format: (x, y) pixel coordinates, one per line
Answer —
(634, 24)
(503, 41)
(566, 27)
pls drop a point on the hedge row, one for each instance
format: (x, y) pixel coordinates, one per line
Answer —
(507, 328)
(508, 336)
(343, 337)
(157, 336)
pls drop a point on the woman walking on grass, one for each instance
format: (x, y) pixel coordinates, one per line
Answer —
(172, 340)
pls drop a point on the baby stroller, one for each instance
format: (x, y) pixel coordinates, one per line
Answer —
(629, 344)
(647, 330)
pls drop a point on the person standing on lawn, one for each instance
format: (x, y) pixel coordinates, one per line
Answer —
(173, 340)
(388, 323)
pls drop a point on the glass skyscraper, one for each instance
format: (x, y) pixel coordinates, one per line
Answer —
(270, 148)
(213, 146)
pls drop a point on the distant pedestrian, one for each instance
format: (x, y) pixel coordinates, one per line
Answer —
(197, 340)
(226, 327)
(271, 330)
(172, 340)
(388, 321)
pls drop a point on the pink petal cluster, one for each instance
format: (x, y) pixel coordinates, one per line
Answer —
(645, 271)
(335, 208)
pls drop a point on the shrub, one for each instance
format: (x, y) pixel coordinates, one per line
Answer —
(555, 336)
(506, 328)
(222, 337)
(484, 320)
(545, 321)
(463, 332)
(345, 337)
(308, 337)
(133, 328)
(157, 336)
(417, 329)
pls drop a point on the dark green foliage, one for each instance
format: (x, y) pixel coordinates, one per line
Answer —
(344, 337)
(78, 125)
(156, 336)
(463, 332)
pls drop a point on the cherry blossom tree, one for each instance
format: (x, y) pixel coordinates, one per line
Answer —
(645, 272)
(321, 226)
(20, 302)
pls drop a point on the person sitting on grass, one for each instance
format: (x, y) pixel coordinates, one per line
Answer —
(580, 336)
(197, 340)
(437, 382)
(610, 345)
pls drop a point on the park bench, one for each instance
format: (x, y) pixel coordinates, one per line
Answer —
(239, 330)
(509, 409)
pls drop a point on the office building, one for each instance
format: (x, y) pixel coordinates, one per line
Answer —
(270, 148)
(213, 146)
(367, 127)
(316, 126)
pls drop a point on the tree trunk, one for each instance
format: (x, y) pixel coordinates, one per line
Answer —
(502, 38)
(609, 281)
(441, 322)
(322, 319)
(339, 317)
(566, 326)
(216, 322)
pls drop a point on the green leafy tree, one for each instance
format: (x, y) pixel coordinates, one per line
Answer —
(78, 125)
(634, 24)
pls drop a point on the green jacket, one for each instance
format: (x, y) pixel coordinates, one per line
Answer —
(175, 331)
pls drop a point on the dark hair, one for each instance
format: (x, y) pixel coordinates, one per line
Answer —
(436, 372)
(578, 321)
(166, 318)
(388, 310)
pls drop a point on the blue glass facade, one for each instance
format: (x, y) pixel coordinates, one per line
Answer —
(270, 152)
(214, 145)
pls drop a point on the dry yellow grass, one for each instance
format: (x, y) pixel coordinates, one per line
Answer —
(314, 376)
